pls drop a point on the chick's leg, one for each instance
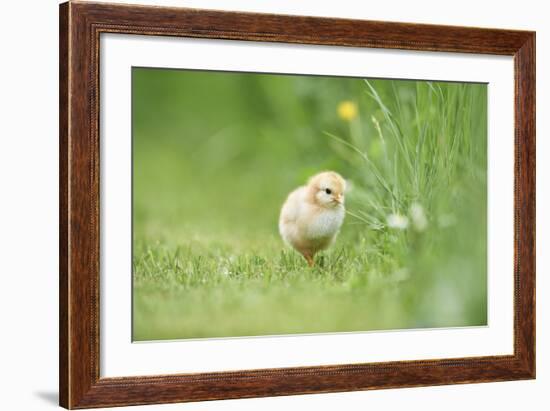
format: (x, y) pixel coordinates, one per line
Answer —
(309, 259)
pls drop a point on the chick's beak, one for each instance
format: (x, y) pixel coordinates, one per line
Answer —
(339, 199)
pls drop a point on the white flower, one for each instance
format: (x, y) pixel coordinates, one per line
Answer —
(447, 220)
(398, 221)
(418, 217)
(402, 274)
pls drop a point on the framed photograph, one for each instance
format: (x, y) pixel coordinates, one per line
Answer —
(259, 205)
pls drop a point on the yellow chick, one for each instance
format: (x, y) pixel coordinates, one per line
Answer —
(313, 214)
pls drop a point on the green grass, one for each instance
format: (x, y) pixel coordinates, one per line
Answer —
(215, 155)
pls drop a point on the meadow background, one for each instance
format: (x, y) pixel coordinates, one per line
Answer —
(214, 156)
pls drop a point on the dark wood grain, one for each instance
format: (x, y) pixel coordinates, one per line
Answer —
(524, 203)
(63, 205)
(80, 27)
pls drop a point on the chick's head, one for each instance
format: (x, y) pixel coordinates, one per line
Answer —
(327, 189)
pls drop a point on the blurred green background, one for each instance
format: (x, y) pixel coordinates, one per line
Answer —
(214, 156)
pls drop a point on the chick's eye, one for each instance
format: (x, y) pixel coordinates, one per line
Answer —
(328, 191)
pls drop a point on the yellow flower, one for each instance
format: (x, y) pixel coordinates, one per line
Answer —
(347, 110)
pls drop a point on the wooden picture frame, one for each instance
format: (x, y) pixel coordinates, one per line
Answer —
(81, 24)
